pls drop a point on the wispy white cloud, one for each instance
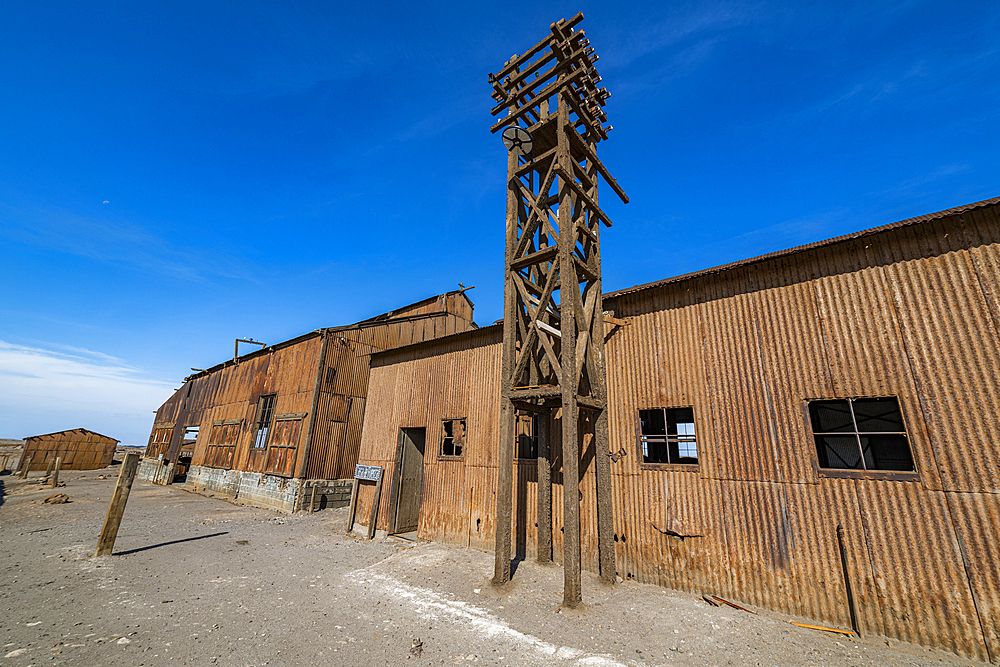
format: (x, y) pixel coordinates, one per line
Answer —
(44, 389)
(118, 241)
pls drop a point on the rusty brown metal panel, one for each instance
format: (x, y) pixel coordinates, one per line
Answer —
(865, 338)
(818, 585)
(482, 483)
(977, 523)
(920, 578)
(959, 342)
(343, 467)
(795, 364)
(988, 204)
(444, 510)
(734, 370)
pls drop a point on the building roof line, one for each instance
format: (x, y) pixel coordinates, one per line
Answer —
(802, 248)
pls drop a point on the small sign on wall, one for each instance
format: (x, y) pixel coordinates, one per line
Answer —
(368, 473)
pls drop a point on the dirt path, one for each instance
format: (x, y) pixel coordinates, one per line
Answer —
(200, 581)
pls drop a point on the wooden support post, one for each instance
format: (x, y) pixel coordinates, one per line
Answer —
(25, 468)
(55, 472)
(354, 506)
(116, 508)
(52, 462)
(312, 499)
(373, 517)
(505, 449)
(607, 562)
(569, 291)
(544, 487)
(3, 466)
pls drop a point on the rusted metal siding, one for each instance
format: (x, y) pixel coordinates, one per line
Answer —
(406, 398)
(341, 407)
(79, 449)
(231, 392)
(911, 310)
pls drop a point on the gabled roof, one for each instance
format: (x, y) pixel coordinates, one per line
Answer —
(72, 430)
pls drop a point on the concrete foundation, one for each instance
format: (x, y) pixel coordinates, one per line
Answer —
(254, 488)
(155, 471)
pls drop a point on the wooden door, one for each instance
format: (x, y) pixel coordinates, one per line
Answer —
(411, 478)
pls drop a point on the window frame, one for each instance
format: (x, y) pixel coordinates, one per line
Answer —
(256, 445)
(441, 437)
(859, 473)
(643, 465)
(532, 438)
(213, 449)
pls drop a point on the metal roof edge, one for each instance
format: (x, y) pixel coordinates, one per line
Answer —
(70, 430)
(802, 248)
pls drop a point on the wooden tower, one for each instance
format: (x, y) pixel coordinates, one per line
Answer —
(553, 337)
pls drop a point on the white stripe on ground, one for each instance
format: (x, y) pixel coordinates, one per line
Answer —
(431, 604)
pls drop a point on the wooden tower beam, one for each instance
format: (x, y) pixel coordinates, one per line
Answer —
(553, 338)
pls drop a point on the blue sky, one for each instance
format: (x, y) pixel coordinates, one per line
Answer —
(175, 175)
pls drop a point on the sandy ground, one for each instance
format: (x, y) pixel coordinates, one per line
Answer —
(201, 581)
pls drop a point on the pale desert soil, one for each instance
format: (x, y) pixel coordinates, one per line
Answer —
(201, 581)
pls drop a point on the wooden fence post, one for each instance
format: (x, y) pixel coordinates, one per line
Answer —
(375, 503)
(52, 462)
(24, 470)
(106, 543)
(354, 506)
(55, 472)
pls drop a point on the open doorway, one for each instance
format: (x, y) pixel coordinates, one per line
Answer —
(409, 481)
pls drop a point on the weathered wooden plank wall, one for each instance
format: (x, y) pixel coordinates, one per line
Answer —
(80, 449)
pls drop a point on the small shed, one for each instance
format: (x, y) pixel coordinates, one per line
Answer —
(79, 448)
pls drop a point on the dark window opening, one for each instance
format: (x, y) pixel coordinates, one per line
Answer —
(331, 373)
(452, 437)
(265, 412)
(666, 435)
(860, 434)
(527, 436)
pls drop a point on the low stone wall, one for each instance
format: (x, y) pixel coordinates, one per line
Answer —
(155, 471)
(254, 488)
(329, 493)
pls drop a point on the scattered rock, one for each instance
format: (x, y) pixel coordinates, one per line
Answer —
(242, 543)
(16, 652)
(417, 649)
(124, 640)
(56, 499)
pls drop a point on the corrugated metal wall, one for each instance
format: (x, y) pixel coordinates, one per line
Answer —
(912, 312)
(341, 408)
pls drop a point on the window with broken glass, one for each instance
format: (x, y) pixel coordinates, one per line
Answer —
(452, 437)
(860, 434)
(265, 413)
(667, 436)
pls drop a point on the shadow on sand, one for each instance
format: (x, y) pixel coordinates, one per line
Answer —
(166, 544)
